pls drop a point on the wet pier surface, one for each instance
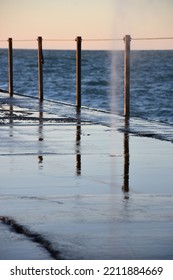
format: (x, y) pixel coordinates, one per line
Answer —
(73, 187)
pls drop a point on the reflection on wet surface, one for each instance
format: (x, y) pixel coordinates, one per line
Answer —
(57, 190)
(78, 143)
(126, 157)
(40, 136)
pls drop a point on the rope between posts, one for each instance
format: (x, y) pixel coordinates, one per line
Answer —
(79, 40)
(156, 38)
(91, 40)
(58, 40)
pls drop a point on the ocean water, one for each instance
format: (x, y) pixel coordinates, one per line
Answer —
(102, 77)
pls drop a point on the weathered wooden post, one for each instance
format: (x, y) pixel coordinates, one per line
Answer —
(127, 40)
(78, 72)
(40, 69)
(10, 67)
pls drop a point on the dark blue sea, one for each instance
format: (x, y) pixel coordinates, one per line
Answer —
(102, 78)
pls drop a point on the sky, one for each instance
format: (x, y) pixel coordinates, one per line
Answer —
(91, 19)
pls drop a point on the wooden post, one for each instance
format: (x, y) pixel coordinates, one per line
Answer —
(127, 40)
(78, 72)
(10, 67)
(40, 69)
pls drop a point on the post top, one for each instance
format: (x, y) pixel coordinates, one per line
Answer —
(40, 39)
(78, 39)
(127, 37)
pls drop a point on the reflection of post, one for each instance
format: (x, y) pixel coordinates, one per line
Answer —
(78, 142)
(11, 114)
(11, 147)
(11, 120)
(126, 158)
(40, 134)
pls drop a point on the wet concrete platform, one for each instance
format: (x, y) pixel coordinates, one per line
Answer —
(74, 188)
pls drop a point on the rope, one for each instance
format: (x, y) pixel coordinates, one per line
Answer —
(85, 40)
(156, 38)
(24, 40)
(59, 40)
(89, 40)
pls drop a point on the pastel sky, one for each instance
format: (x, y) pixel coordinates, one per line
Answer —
(66, 19)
